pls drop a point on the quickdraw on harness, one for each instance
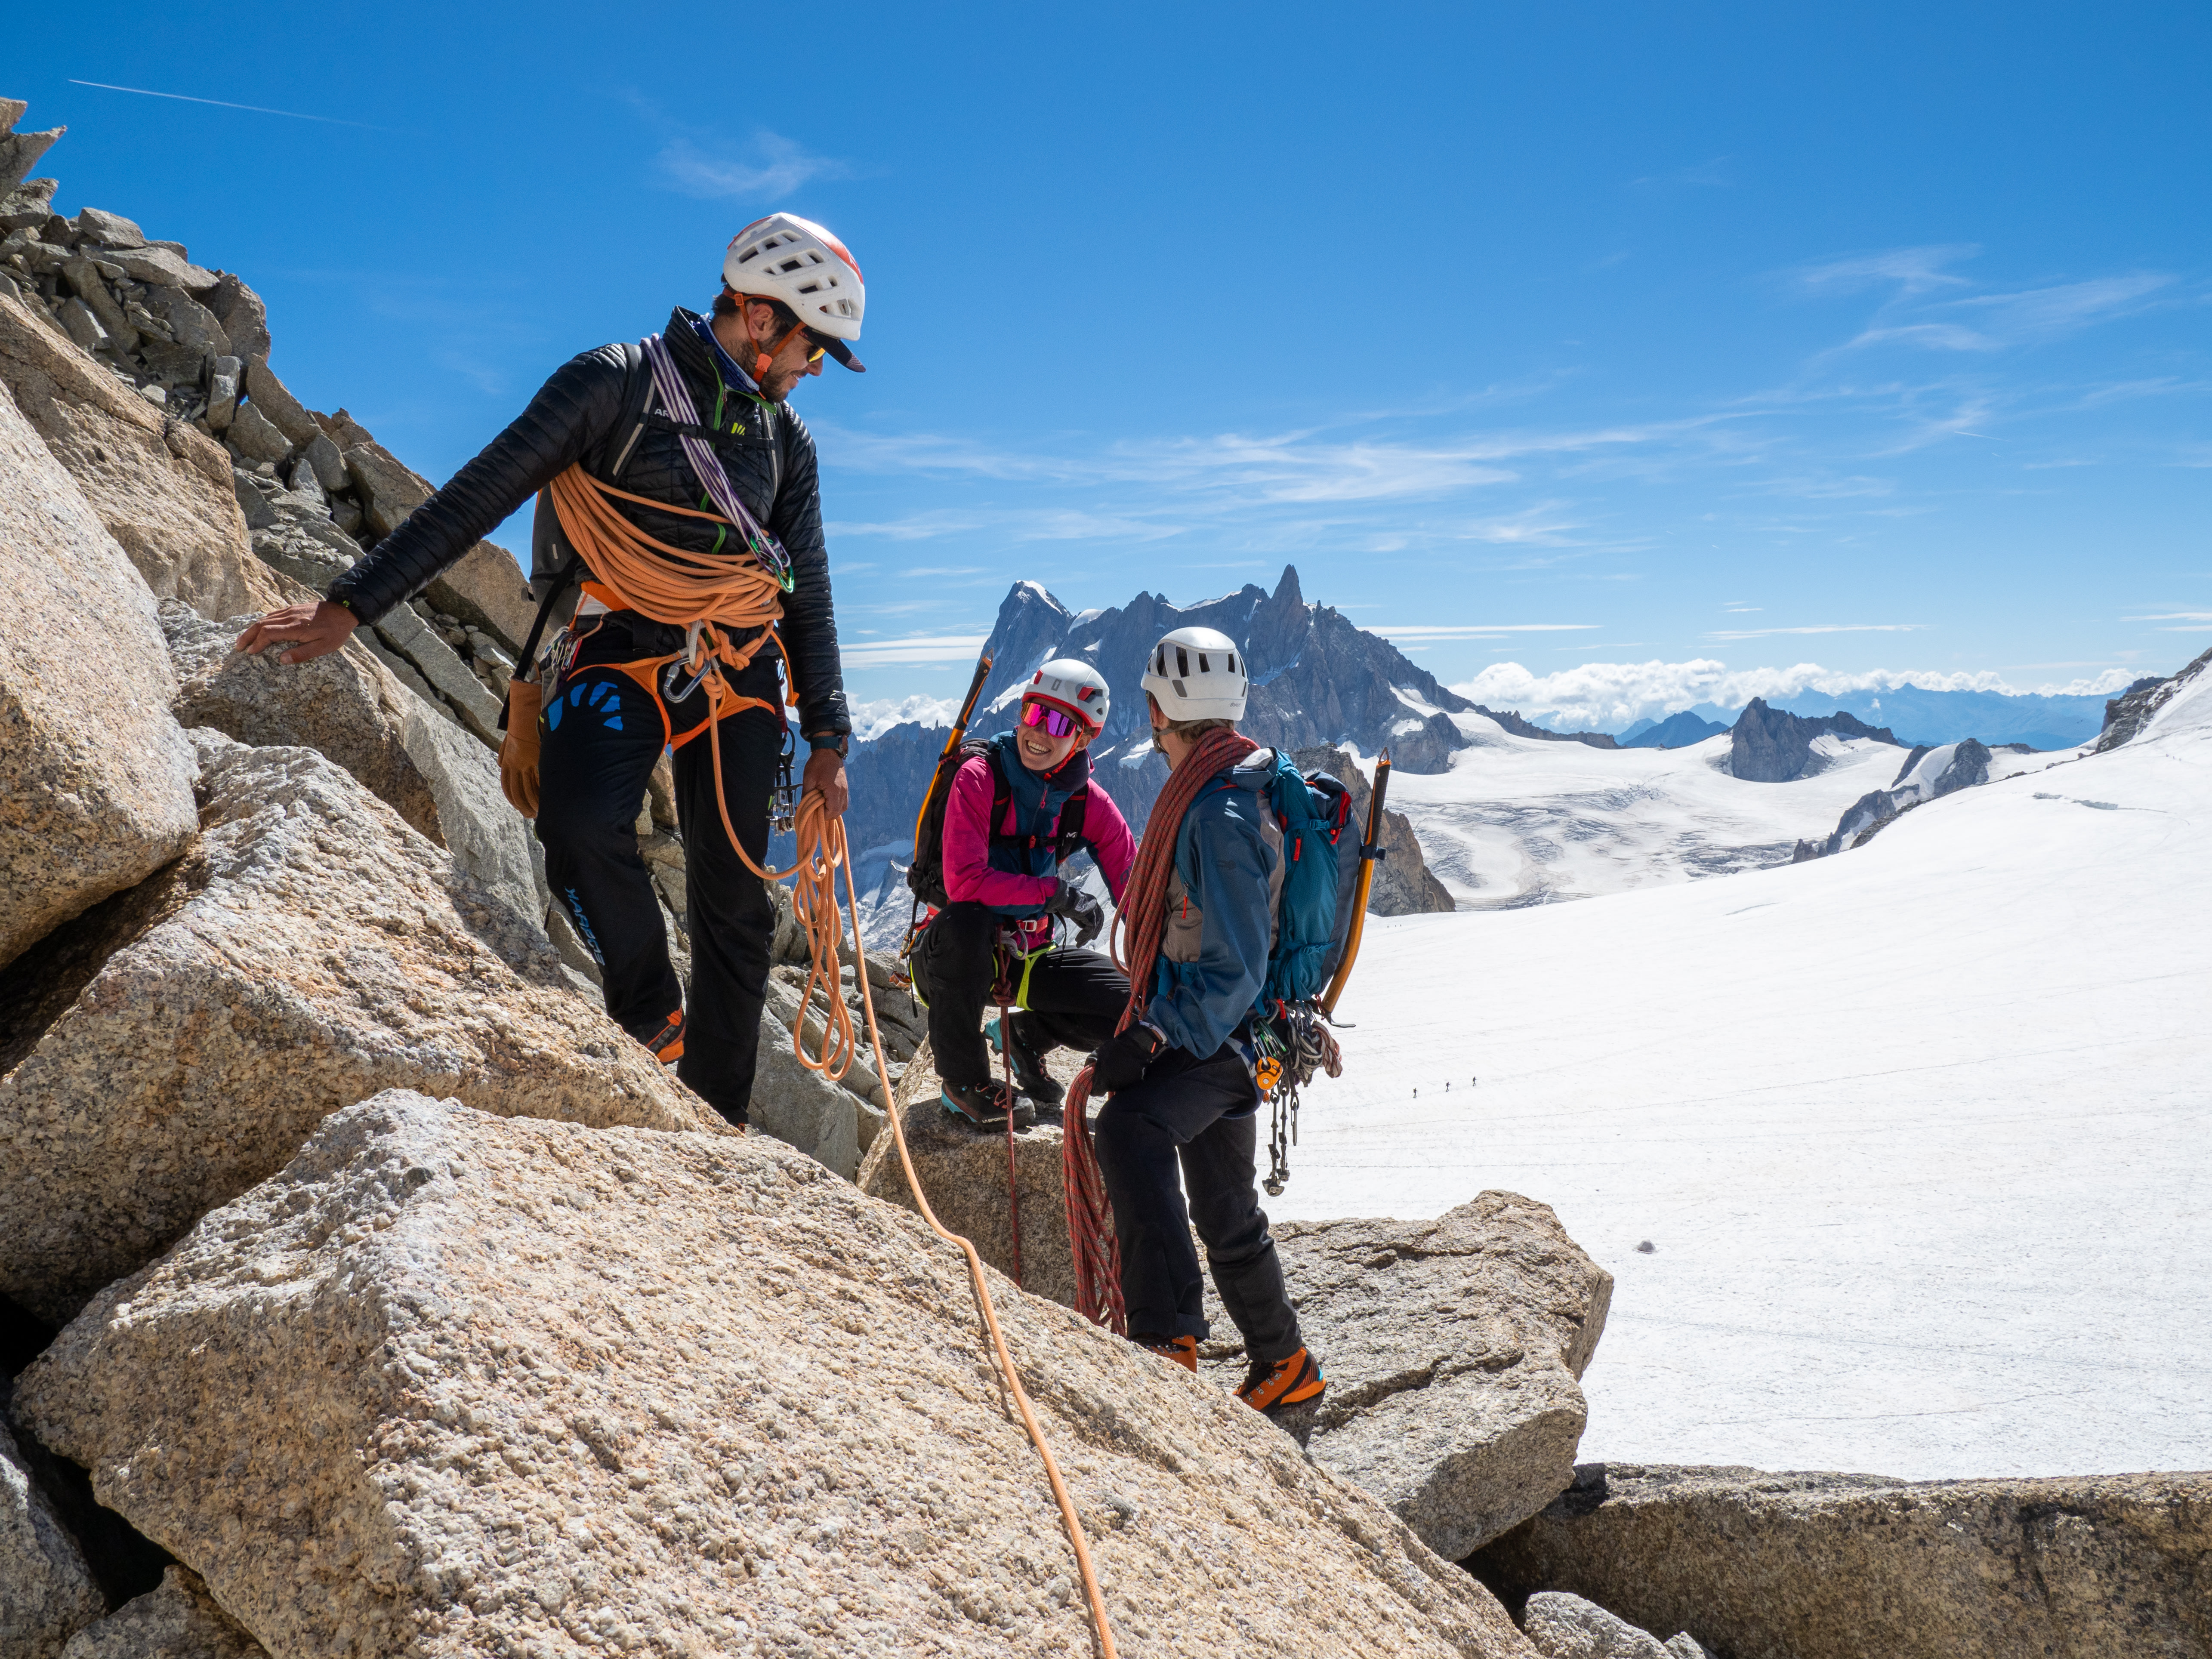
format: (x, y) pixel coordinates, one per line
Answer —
(1290, 1044)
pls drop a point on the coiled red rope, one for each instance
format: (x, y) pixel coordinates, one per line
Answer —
(1139, 926)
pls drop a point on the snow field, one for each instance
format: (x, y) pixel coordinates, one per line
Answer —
(1921, 1134)
(1520, 821)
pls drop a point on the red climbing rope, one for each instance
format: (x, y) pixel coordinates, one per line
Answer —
(1139, 926)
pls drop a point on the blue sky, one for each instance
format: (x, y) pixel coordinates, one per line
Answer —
(1600, 341)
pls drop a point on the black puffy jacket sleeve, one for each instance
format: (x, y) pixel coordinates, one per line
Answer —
(810, 620)
(571, 415)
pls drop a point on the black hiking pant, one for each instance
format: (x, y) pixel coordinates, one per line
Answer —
(1074, 1000)
(1202, 1115)
(598, 740)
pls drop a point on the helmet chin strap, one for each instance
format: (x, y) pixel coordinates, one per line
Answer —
(763, 359)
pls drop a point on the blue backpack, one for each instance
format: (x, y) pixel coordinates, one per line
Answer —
(1321, 864)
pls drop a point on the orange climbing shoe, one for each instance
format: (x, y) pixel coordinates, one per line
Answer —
(666, 1045)
(1292, 1382)
(1180, 1350)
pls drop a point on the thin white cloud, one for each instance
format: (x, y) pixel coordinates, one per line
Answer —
(1454, 631)
(1822, 627)
(2174, 616)
(1936, 336)
(1608, 696)
(1908, 269)
(771, 168)
(1031, 525)
(2068, 306)
(934, 647)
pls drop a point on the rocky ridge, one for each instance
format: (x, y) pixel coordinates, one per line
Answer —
(619, 1391)
(1766, 745)
(2129, 713)
(1840, 1566)
(185, 352)
(1455, 1348)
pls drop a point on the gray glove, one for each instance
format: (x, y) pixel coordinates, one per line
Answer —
(1079, 907)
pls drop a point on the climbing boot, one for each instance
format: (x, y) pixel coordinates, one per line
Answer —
(1179, 1350)
(1274, 1387)
(1015, 1037)
(666, 1045)
(985, 1106)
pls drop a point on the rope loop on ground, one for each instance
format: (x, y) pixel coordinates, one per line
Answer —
(828, 856)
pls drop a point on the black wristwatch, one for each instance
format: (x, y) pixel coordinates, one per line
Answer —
(837, 740)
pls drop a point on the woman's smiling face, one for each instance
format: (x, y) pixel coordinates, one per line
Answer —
(1040, 751)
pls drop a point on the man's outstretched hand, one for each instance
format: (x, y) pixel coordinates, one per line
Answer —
(825, 775)
(311, 631)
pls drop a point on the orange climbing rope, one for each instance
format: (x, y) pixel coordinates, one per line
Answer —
(1136, 946)
(822, 843)
(710, 594)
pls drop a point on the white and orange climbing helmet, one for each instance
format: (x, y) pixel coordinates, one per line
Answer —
(784, 257)
(1074, 687)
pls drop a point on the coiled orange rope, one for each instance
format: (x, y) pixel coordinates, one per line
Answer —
(735, 590)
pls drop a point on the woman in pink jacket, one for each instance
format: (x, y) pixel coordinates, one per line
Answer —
(1014, 815)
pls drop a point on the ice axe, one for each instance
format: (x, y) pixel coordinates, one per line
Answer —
(951, 743)
(1369, 850)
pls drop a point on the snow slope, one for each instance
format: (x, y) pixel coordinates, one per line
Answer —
(1522, 821)
(1921, 1135)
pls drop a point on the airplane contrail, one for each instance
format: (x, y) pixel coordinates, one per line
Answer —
(258, 109)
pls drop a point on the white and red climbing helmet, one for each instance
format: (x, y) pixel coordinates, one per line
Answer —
(784, 257)
(1073, 687)
(1198, 674)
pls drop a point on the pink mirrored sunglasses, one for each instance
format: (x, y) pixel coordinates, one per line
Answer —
(1057, 722)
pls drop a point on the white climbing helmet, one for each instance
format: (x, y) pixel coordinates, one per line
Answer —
(1075, 687)
(784, 257)
(1198, 674)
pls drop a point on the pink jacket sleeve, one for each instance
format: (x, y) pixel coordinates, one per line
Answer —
(1106, 832)
(968, 872)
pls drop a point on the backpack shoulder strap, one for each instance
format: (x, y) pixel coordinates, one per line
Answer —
(1069, 841)
(637, 400)
(1002, 792)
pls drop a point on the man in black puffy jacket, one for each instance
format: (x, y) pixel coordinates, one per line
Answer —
(791, 295)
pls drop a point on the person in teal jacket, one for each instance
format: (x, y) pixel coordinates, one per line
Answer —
(1183, 1113)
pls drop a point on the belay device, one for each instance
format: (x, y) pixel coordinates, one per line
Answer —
(1292, 1042)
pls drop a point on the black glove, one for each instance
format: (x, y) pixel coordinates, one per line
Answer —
(1119, 1063)
(1079, 907)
